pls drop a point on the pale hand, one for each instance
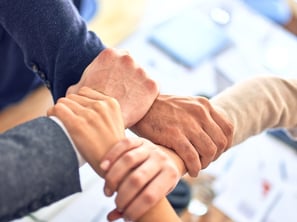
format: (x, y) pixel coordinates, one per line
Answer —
(94, 122)
(141, 173)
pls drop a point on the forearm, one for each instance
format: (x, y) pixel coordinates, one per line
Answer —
(53, 38)
(259, 104)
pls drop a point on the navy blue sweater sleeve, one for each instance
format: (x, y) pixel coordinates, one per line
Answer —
(53, 37)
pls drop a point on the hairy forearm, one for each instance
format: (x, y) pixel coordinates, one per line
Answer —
(258, 104)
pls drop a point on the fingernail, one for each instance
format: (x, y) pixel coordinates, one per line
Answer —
(105, 165)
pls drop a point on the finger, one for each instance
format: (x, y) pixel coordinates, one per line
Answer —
(74, 106)
(85, 101)
(62, 112)
(215, 132)
(50, 111)
(187, 152)
(204, 145)
(225, 125)
(92, 94)
(118, 150)
(114, 215)
(149, 197)
(135, 182)
(121, 168)
(208, 117)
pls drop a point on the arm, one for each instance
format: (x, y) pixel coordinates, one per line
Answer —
(58, 47)
(141, 173)
(266, 102)
(123, 79)
(111, 131)
(95, 137)
(53, 37)
(35, 167)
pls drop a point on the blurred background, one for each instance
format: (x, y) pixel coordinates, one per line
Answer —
(196, 47)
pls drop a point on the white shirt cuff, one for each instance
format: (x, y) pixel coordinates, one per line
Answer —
(80, 159)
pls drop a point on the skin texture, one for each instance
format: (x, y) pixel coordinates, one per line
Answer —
(92, 138)
(135, 157)
(114, 73)
(188, 125)
(163, 119)
(138, 174)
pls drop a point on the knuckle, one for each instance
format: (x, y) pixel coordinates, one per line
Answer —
(71, 96)
(152, 86)
(129, 157)
(202, 112)
(96, 105)
(83, 89)
(172, 171)
(58, 106)
(126, 142)
(149, 198)
(204, 101)
(222, 144)
(136, 179)
(113, 103)
(161, 156)
(229, 129)
(211, 151)
(108, 51)
(141, 72)
(61, 100)
(127, 59)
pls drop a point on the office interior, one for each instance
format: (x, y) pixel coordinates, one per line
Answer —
(197, 47)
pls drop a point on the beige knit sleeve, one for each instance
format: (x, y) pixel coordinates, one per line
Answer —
(257, 104)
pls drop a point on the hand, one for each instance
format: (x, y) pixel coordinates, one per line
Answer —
(114, 73)
(141, 173)
(188, 125)
(94, 122)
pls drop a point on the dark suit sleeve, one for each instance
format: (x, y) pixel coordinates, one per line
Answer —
(38, 167)
(53, 37)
